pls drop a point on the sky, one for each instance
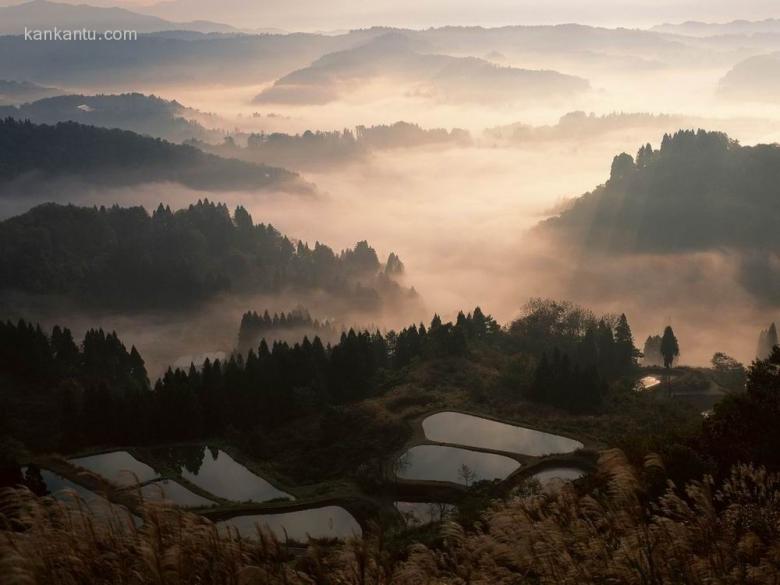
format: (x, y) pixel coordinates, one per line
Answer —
(341, 14)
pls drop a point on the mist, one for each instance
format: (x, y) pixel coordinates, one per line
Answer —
(461, 217)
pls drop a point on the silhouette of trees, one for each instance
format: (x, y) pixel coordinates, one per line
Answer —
(58, 394)
(255, 327)
(577, 353)
(670, 349)
(767, 340)
(728, 371)
(123, 257)
(744, 425)
(652, 351)
(121, 157)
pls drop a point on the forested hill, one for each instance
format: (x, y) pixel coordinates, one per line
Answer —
(144, 114)
(118, 157)
(700, 191)
(127, 258)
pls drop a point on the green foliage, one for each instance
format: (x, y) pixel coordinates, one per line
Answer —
(576, 353)
(124, 257)
(744, 426)
(728, 372)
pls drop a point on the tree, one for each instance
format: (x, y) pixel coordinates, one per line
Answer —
(744, 425)
(467, 474)
(626, 353)
(652, 351)
(728, 371)
(767, 340)
(670, 349)
(622, 165)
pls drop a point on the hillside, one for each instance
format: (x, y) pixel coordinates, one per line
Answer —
(755, 79)
(125, 257)
(42, 14)
(118, 157)
(710, 29)
(405, 60)
(317, 150)
(18, 92)
(135, 112)
(700, 192)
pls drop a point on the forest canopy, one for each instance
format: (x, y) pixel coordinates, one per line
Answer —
(118, 157)
(126, 257)
(699, 192)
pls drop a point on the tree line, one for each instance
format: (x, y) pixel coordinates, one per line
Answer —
(128, 258)
(98, 392)
(121, 157)
(255, 327)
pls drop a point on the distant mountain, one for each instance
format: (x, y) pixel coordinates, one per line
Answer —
(710, 29)
(148, 115)
(582, 126)
(401, 59)
(18, 92)
(754, 79)
(42, 14)
(315, 150)
(700, 192)
(33, 152)
(126, 258)
(163, 58)
(186, 56)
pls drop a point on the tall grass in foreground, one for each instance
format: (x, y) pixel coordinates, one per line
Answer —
(704, 534)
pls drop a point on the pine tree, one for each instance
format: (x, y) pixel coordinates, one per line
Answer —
(625, 350)
(670, 349)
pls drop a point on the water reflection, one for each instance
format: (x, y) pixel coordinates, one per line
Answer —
(76, 497)
(223, 476)
(553, 478)
(170, 491)
(118, 467)
(325, 522)
(647, 383)
(440, 463)
(473, 431)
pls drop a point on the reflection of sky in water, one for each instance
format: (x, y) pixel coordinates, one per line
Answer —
(562, 473)
(647, 382)
(326, 522)
(438, 463)
(473, 431)
(70, 492)
(174, 492)
(118, 467)
(226, 478)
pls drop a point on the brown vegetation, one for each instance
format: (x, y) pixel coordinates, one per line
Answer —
(612, 532)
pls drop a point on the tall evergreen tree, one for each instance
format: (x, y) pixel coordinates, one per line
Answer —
(626, 353)
(670, 348)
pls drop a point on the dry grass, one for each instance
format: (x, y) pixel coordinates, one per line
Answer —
(703, 534)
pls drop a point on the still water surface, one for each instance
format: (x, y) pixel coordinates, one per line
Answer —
(474, 431)
(325, 522)
(223, 476)
(171, 491)
(118, 467)
(441, 463)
